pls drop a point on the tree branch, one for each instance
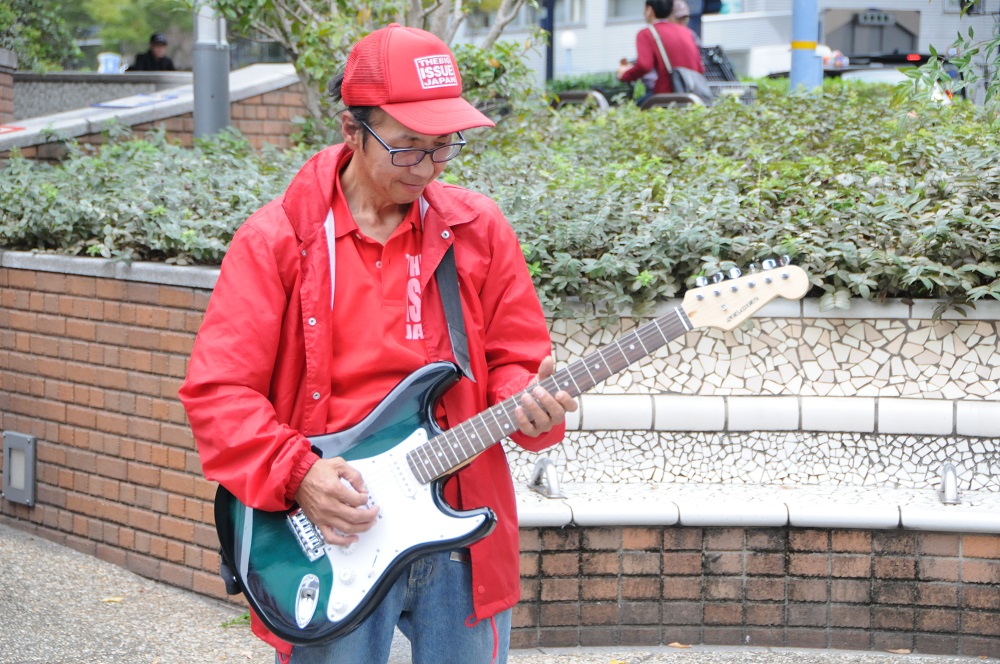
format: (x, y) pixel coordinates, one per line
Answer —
(505, 14)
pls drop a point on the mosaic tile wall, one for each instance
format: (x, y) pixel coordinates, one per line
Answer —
(919, 359)
(792, 458)
(808, 357)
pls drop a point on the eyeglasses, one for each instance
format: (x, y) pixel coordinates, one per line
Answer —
(406, 157)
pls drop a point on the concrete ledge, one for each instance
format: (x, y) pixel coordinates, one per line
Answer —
(243, 83)
(155, 273)
(594, 504)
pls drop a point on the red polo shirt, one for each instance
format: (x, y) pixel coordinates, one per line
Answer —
(377, 336)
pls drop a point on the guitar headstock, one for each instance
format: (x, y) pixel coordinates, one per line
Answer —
(725, 304)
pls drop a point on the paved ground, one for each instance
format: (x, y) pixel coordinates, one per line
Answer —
(59, 606)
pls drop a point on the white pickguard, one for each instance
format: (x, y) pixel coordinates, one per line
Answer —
(409, 517)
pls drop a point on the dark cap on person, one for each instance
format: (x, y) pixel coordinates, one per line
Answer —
(158, 38)
(411, 75)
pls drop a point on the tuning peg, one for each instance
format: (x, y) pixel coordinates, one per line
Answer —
(753, 268)
(735, 273)
(786, 260)
(718, 277)
(701, 282)
(769, 264)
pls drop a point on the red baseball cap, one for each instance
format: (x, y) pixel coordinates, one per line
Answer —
(411, 75)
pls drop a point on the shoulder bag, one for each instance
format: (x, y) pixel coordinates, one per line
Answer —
(682, 78)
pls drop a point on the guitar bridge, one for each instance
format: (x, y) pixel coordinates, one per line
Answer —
(306, 534)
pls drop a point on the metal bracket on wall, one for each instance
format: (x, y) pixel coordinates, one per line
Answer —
(545, 479)
(948, 493)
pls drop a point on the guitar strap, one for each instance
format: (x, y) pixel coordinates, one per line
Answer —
(447, 280)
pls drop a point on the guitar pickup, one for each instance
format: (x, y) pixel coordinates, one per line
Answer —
(306, 534)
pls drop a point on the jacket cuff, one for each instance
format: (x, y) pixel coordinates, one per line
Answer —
(299, 471)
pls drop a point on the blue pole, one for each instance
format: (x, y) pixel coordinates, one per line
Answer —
(806, 68)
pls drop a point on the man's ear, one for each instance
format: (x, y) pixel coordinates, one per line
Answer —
(351, 130)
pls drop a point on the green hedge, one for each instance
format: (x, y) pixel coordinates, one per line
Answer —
(616, 209)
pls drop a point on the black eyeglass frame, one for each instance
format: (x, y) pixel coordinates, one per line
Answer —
(395, 151)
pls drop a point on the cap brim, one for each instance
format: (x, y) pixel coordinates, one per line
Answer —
(437, 116)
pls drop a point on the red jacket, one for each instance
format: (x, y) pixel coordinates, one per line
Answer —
(678, 41)
(259, 381)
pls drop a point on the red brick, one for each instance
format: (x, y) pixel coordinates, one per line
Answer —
(758, 589)
(596, 539)
(981, 571)
(765, 614)
(765, 564)
(939, 544)
(644, 563)
(557, 615)
(850, 565)
(723, 614)
(560, 564)
(682, 539)
(560, 590)
(723, 563)
(938, 569)
(807, 615)
(682, 588)
(681, 563)
(638, 587)
(889, 542)
(851, 541)
(642, 539)
(889, 567)
(599, 563)
(724, 539)
(809, 564)
(847, 615)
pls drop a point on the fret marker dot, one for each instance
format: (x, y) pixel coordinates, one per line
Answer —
(597, 366)
(506, 426)
(632, 347)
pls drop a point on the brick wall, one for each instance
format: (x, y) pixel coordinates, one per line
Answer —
(850, 589)
(264, 118)
(90, 365)
(8, 65)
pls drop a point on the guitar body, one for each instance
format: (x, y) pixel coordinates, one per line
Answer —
(306, 591)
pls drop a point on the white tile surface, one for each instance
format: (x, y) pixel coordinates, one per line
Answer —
(978, 418)
(610, 412)
(763, 413)
(689, 413)
(847, 414)
(918, 416)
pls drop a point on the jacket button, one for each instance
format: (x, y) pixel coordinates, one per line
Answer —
(303, 252)
(312, 321)
(446, 235)
(481, 589)
(315, 396)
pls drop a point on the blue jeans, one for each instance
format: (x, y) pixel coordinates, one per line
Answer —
(431, 602)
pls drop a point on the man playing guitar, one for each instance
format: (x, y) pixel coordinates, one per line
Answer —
(327, 298)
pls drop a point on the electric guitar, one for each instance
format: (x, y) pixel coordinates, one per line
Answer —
(306, 591)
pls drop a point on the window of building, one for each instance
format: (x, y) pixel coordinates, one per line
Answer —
(626, 8)
(567, 12)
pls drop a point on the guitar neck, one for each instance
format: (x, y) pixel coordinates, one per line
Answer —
(454, 447)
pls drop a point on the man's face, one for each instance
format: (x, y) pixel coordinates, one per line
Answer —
(159, 50)
(399, 184)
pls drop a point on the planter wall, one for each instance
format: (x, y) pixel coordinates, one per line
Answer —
(92, 354)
